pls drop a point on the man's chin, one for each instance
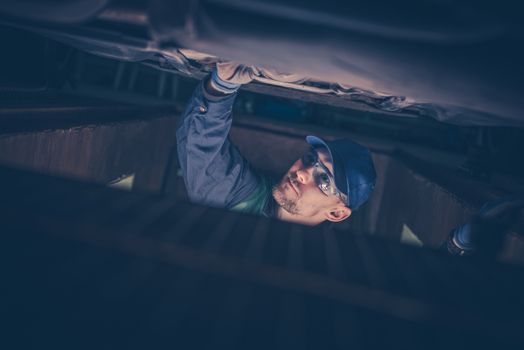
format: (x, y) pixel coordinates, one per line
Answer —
(285, 203)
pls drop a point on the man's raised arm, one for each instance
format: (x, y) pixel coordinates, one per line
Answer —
(214, 171)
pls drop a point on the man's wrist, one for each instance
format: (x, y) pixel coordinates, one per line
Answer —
(210, 94)
(209, 89)
(222, 86)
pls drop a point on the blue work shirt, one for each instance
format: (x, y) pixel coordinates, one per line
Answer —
(214, 171)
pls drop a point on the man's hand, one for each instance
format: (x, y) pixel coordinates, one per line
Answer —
(227, 77)
(236, 73)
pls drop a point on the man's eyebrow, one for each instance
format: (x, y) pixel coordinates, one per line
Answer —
(321, 162)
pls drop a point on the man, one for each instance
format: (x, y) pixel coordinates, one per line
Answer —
(328, 183)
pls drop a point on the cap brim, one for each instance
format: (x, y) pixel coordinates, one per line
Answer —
(316, 141)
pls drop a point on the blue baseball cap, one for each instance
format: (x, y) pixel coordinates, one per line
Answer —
(353, 168)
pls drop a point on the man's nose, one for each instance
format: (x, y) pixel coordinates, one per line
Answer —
(303, 176)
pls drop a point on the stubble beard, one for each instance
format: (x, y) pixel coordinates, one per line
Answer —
(289, 205)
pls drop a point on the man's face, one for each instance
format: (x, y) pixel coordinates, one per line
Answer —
(298, 193)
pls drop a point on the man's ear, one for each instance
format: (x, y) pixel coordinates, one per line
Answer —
(338, 214)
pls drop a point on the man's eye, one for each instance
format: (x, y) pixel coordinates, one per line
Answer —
(324, 178)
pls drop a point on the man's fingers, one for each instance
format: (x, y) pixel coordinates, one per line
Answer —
(255, 72)
(227, 70)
